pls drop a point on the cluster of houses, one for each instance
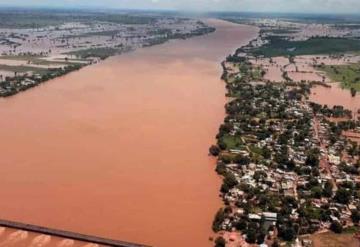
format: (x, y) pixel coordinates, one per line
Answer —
(284, 174)
(14, 85)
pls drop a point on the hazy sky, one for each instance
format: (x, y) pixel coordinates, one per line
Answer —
(337, 6)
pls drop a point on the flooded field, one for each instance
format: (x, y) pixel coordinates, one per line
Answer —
(336, 96)
(120, 149)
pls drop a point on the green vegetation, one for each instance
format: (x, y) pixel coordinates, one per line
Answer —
(23, 69)
(38, 60)
(231, 142)
(13, 85)
(348, 75)
(283, 31)
(43, 18)
(102, 53)
(278, 46)
(90, 34)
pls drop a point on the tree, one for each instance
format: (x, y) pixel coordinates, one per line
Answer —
(228, 183)
(328, 189)
(312, 160)
(218, 220)
(355, 216)
(266, 152)
(220, 242)
(242, 160)
(343, 196)
(289, 233)
(230, 180)
(251, 236)
(241, 225)
(221, 144)
(214, 150)
(316, 192)
(336, 227)
(353, 92)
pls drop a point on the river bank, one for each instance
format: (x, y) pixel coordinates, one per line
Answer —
(275, 141)
(28, 69)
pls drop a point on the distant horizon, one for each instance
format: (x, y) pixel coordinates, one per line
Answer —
(101, 9)
(332, 7)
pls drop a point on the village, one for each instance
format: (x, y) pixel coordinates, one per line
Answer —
(290, 166)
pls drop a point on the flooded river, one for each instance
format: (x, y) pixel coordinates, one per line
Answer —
(120, 149)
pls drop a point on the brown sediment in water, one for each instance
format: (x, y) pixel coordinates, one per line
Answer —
(18, 238)
(120, 149)
(335, 95)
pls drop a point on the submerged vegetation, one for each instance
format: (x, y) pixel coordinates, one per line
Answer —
(101, 53)
(348, 75)
(278, 46)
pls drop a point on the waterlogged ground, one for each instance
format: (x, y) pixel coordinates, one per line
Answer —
(336, 96)
(120, 149)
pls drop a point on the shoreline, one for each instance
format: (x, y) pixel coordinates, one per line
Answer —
(91, 114)
(23, 83)
(224, 224)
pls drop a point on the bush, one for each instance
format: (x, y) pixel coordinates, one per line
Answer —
(343, 196)
(220, 242)
(355, 216)
(218, 220)
(214, 150)
(336, 227)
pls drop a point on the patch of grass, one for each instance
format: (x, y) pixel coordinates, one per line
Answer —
(102, 53)
(256, 150)
(256, 73)
(23, 69)
(278, 46)
(351, 230)
(38, 60)
(232, 142)
(21, 57)
(348, 75)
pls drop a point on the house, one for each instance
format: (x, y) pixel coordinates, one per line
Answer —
(254, 217)
(333, 159)
(269, 216)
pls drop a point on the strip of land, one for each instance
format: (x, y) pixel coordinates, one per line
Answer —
(290, 166)
(55, 43)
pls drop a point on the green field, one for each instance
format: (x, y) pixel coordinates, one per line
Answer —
(278, 46)
(102, 53)
(38, 60)
(281, 31)
(23, 69)
(232, 142)
(348, 75)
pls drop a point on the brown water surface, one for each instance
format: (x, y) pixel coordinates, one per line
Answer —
(120, 149)
(336, 96)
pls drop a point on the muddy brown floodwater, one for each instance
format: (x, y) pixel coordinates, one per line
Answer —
(335, 95)
(120, 149)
